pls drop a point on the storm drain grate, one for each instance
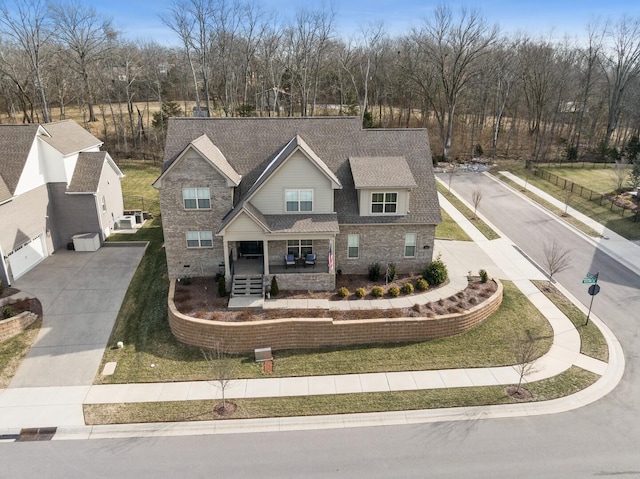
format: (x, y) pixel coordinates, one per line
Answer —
(37, 434)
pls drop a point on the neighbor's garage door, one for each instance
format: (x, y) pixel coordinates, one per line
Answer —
(26, 256)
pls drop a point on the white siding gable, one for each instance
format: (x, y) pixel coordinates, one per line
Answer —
(243, 227)
(33, 174)
(296, 172)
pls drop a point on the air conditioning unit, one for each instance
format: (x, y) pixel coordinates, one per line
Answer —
(127, 223)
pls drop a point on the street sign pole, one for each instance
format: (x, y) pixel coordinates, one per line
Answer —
(593, 290)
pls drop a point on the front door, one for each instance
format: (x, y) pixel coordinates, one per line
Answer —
(251, 248)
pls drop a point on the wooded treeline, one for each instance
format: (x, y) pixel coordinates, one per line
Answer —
(476, 90)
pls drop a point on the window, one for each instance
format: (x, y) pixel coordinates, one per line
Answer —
(299, 248)
(199, 239)
(104, 204)
(384, 202)
(298, 200)
(410, 245)
(196, 198)
(354, 246)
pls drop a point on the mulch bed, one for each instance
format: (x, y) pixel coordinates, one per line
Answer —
(8, 292)
(200, 300)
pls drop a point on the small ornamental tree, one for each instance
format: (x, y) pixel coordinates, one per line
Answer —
(222, 287)
(274, 287)
(436, 272)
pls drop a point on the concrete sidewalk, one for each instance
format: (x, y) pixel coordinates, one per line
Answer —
(62, 407)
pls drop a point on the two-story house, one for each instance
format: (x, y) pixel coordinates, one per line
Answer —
(54, 183)
(259, 195)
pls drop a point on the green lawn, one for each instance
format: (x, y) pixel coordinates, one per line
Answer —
(449, 229)
(13, 351)
(599, 179)
(136, 186)
(569, 382)
(603, 214)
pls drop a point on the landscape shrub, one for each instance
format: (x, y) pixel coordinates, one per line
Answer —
(361, 292)
(407, 288)
(343, 292)
(275, 290)
(393, 291)
(186, 281)
(435, 272)
(417, 308)
(484, 276)
(422, 284)
(7, 312)
(374, 271)
(222, 287)
(377, 292)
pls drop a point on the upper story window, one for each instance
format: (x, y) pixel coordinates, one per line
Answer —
(196, 198)
(199, 239)
(384, 202)
(298, 200)
(104, 203)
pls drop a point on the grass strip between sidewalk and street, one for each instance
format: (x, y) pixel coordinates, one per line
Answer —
(592, 342)
(569, 382)
(553, 209)
(450, 230)
(483, 227)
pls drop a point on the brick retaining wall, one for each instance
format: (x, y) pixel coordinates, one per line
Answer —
(310, 333)
(15, 325)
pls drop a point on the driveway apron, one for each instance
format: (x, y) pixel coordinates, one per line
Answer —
(81, 294)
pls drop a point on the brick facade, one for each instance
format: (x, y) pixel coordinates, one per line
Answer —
(310, 333)
(176, 221)
(304, 281)
(384, 244)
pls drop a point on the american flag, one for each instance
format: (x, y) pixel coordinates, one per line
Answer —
(330, 256)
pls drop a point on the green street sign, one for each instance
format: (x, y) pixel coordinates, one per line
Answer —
(589, 280)
(589, 275)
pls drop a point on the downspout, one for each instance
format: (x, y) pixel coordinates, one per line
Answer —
(3, 263)
(99, 212)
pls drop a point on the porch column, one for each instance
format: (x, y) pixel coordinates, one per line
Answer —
(265, 255)
(225, 250)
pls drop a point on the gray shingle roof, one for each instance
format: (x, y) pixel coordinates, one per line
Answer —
(381, 172)
(204, 145)
(5, 194)
(15, 144)
(250, 144)
(327, 223)
(68, 137)
(86, 175)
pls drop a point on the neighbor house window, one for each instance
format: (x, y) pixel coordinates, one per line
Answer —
(199, 239)
(196, 198)
(354, 246)
(104, 204)
(410, 245)
(298, 200)
(299, 248)
(384, 202)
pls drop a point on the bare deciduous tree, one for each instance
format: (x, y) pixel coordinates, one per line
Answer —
(526, 349)
(223, 371)
(557, 258)
(619, 173)
(476, 198)
(452, 169)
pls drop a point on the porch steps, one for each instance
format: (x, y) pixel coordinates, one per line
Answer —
(247, 285)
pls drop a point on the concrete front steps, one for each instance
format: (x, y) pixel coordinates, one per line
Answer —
(247, 285)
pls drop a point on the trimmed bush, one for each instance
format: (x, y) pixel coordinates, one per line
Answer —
(222, 287)
(186, 281)
(343, 292)
(393, 291)
(374, 271)
(407, 288)
(422, 284)
(8, 312)
(275, 291)
(361, 293)
(436, 272)
(484, 276)
(377, 292)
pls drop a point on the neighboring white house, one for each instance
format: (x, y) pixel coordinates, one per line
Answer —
(54, 183)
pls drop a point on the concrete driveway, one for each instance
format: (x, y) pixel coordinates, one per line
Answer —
(81, 294)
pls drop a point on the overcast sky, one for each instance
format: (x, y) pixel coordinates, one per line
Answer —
(140, 19)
